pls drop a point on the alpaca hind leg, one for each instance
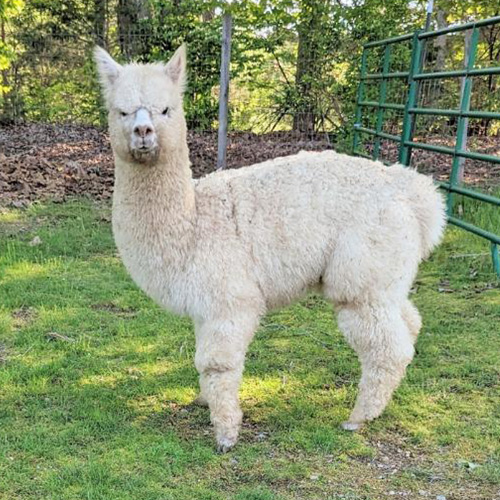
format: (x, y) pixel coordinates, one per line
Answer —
(220, 357)
(221, 389)
(382, 340)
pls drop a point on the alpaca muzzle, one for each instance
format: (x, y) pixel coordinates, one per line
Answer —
(144, 141)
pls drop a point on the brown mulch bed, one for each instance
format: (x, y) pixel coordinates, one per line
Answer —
(477, 173)
(43, 161)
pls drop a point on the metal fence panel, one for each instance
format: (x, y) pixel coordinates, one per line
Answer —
(371, 114)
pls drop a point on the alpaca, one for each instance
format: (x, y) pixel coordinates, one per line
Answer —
(225, 249)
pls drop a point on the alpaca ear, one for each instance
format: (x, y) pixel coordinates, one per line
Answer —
(176, 67)
(108, 68)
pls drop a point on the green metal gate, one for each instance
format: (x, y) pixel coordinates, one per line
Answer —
(412, 77)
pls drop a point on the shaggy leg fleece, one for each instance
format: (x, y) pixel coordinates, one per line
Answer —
(382, 339)
(412, 318)
(220, 356)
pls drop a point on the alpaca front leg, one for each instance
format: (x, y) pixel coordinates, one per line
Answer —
(221, 389)
(220, 357)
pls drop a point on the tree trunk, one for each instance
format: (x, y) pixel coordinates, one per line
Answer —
(303, 120)
(131, 37)
(208, 15)
(491, 40)
(307, 69)
(127, 18)
(101, 22)
(6, 114)
(441, 41)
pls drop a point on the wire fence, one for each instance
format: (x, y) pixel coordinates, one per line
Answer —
(277, 93)
(53, 143)
(53, 79)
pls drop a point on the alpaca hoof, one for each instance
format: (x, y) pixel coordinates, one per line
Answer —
(225, 444)
(351, 426)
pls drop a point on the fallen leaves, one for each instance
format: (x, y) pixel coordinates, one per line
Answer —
(477, 173)
(46, 161)
(41, 161)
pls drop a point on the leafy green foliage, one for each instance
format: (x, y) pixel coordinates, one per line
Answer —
(8, 10)
(294, 65)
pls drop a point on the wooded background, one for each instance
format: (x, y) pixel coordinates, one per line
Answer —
(294, 64)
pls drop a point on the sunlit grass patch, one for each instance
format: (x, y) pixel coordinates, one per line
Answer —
(97, 384)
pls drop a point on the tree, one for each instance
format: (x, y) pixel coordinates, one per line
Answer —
(100, 21)
(295, 63)
(133, 17)
(312, 24)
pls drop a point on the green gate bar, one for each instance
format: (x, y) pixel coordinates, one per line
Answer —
(461, 27)
(381, 102)
(457, 72)
(411, 110)
(411, 101)
(463, 121)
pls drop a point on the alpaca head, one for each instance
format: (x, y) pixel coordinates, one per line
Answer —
(144, 102)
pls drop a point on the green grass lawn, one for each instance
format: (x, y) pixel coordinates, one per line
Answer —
(96, 384)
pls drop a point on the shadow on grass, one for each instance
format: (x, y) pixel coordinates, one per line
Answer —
(98, 414)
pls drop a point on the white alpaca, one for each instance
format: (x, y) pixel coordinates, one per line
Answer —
(227, 248)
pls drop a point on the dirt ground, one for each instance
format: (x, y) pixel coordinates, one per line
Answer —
(44, 161)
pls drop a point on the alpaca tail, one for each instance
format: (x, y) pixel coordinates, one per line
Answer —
(429, 208)
(427, 205)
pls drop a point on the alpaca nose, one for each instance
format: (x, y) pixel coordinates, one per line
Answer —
(143, 130)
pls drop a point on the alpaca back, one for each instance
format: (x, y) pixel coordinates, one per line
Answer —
(292, 217)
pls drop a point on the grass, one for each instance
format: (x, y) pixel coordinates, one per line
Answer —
(96, 384)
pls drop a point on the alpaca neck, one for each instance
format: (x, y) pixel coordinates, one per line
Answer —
(155, 203)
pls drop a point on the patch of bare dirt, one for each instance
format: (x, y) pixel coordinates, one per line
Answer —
(395, 457)
(3, 354)
(23, 316)
(114, 309)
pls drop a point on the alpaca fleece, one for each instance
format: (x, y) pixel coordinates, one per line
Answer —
(225, 249)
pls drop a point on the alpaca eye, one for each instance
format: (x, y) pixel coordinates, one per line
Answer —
(122, 113)
(165, 111)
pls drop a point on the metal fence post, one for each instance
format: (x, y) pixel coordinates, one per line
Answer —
(359, 109)
(495, 257)
(381, 101)
(224, 91)
(411, 101)
(463, 121)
